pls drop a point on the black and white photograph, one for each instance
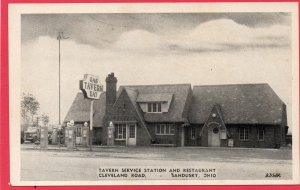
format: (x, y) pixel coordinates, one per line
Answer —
(124, 94)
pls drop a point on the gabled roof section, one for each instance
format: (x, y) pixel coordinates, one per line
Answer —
(80, 110)
(133, 94)
(155, 97)
(179, 93)
(215, 116)
(240, 104)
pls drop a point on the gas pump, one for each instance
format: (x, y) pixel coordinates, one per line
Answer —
(70, 135)
(44, 137)
(85, 134)
(110, 131)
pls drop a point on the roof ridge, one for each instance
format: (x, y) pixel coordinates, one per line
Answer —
(156, 92)
(128, 88)
(182, 84)
(241, 84)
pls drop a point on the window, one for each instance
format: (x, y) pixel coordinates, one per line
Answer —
(193, 133)
(120, 131)
(244, 134)
(154, 107)
(216, 130)
(260, 134)
(132, 131)
(165, 129)
(78, 131)
(159, 129)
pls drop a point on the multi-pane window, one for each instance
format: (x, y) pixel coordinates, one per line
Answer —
(244, 133)
(165, 129)
(260, 134)
(193, 133)
(132, 131)
(120, 131)
(154, 107)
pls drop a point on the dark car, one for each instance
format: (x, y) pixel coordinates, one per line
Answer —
(31, 134)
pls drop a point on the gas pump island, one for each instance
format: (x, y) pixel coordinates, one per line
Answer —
(91, 89)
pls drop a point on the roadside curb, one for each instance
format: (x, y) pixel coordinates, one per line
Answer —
(96, 148)
(99, 148)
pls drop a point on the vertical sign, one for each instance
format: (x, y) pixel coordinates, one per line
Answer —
(91, 89)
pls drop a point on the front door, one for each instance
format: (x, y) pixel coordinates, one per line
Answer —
(131, 141)
(78, 134)
(214, 135)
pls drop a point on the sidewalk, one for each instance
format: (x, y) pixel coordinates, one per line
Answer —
(64, 148)
(99, 147)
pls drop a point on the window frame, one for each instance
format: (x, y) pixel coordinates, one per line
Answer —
(193, 133)
(78, 131)
(154, 107)
(130, 131)
(263, 134)
(242, 133)
(164, 129)
(120, 131)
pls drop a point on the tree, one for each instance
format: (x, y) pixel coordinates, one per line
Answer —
(29, 105)
(45, 119)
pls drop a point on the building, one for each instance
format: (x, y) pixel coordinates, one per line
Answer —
(251, 115)
(80, 113)
(243, 115)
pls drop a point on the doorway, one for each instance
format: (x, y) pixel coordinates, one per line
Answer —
(78, 135)
(214, 134)
(131, 141)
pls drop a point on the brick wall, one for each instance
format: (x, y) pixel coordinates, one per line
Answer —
(123, 108)
(174, 139)
(188, 136)
(233, 130)
(253, 142)
(97, 133)
(120, 142)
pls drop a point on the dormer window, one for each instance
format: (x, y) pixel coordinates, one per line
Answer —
(155, 103)
(154, 107)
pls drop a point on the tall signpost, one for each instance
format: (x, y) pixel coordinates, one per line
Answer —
(59, 37)
(91, 89)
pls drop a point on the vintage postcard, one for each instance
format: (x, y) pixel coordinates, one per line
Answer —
(154, 94)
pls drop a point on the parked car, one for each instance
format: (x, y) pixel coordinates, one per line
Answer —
(31, 134)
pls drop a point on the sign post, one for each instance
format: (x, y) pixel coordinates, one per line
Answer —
(91, 124)
(91, 89)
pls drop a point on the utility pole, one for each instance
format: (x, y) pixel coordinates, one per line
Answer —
(59, 37)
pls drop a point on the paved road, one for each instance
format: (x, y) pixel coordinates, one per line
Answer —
(62, 165)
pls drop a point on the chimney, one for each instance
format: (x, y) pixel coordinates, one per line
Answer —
(111, 91)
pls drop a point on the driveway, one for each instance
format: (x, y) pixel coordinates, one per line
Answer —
(228, 163)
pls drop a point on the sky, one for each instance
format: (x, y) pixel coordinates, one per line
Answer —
(165, 48)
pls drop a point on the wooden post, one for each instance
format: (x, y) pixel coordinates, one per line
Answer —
(91, 125)
(182, 135)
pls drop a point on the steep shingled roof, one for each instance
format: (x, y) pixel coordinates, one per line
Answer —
(154, 97)
(80, 110)
(240, 104)
(180, 94)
